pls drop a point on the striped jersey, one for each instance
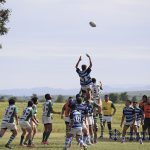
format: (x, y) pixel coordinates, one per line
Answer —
(85, 78)
(91, 106)
(129, 113)
(10, 113)
(47, 108)
(139, 113)
(27, 114)
(76, 119)
(83, 109)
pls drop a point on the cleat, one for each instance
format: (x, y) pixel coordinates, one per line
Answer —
(123, 141)
(42, 142)
(140, 140)
(30, 146)
(101, 137)
(46, 143)
(8, 146)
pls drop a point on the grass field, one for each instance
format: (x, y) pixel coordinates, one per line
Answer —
(56, 140)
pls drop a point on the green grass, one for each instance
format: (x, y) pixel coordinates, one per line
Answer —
(57, 137)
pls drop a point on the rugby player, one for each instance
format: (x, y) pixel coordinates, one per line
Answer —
(146, 109)
(25, 125)
(139, 118)
(65, 113)
(130, 121)
(84, 74)
(76, 129)
(97, 99)
(8, 122)
(47, 118)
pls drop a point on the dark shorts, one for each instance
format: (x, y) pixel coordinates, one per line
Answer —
(146, 123)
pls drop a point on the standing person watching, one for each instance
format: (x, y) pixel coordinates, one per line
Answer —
(47, 118)
(107, 108)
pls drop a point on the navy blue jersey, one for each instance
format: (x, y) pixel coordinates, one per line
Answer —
(129, 113)
(85, 78)
(139, 113)
(75, 117)
(91, 105)
(83, 109)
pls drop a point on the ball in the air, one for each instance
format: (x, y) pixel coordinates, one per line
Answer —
(92, 24)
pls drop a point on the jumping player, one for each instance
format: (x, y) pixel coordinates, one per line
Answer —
(8, 122)
(84, 74)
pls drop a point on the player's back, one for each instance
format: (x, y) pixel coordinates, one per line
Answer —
(76, 120)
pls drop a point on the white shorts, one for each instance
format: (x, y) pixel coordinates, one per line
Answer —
(76, 131)
(25, 124)
(10, 126)
(85, 87)
(67, 119)
(107, 118)
(90, 120)
(130, 123)
(46, 120)
(33, 125)
(84, 125)
(138, 123)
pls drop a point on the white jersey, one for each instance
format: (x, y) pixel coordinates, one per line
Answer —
(27, 114)
(47, 108)
(95, 91)
(10, 113)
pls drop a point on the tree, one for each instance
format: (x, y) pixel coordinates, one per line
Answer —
(60, 99)
(114, 97)
(124, 96)
(4, 18)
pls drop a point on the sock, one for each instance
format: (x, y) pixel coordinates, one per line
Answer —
(29, 142)
(12, 137)
(85, 138)
(109, 128)
(44, 135)
(21, 140)
(67, 142)
(47, 135)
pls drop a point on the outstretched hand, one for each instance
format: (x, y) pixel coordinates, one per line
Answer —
(80, 58)
(88, 55)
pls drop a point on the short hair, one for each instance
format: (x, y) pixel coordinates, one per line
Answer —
(93, 80)
(144, 96)
(30, 103)
(11, 101)
(48, 96)
(83, 67)
(34, 99)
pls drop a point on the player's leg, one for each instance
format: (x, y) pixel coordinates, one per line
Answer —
(48, 132)
(22, 136)
(125, 128)
(131, 133)
(95, 127)
(145, 127)
(2, 132)
(102, 124)
(12, 137)
(91, 125)
(135, 128)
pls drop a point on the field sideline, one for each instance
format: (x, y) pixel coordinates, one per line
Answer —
(56, 140)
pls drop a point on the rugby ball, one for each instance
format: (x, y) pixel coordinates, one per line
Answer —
(92, 24)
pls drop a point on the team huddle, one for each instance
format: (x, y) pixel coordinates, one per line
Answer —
(80, 114)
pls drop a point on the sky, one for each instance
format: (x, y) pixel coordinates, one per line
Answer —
(46, 38)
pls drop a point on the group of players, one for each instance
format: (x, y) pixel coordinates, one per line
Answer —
(81, 115)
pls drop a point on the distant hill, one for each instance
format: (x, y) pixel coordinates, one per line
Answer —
(131, 89)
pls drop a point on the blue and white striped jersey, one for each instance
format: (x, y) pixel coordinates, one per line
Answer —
(139, 113)
(83, 109)
(85, 78)
(75, 117)
(129, 113)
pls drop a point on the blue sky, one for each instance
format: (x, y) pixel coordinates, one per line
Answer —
(46, 38)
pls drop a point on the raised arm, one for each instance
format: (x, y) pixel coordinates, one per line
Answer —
(78, 62)
(90, 66)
